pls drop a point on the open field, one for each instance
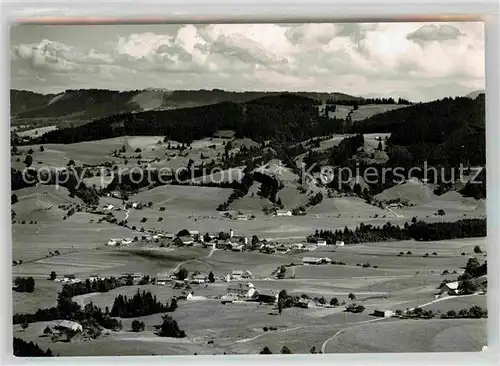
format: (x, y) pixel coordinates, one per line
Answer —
(449, 335)
(394, 285)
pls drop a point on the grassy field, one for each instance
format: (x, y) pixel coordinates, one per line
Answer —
(397, 282)
(452, 335)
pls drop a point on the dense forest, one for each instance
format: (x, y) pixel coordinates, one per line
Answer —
(418, 230)
(444, 132)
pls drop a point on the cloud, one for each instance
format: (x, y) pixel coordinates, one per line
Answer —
(434, 33)
(407, 58)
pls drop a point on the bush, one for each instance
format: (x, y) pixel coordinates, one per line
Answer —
(52, 276)
(138, 326)
(182, 274)
(477, 249)
(24, 284)
(265, 329)
(266, 351)
(170, 328)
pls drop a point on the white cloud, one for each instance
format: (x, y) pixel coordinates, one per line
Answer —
(411, 59)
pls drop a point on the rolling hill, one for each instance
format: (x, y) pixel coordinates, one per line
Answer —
(88, 104)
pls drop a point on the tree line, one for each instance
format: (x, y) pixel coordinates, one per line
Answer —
(418, 230)
(141, 304)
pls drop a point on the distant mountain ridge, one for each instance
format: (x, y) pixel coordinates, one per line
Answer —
(89, 104)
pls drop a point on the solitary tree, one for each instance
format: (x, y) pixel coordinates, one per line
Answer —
(477, 249)
(28, 161)
(352, 296)
(334, 302)
(266, 351)
(42, 149)
(52, 276)
(47, 331)
(211, 277)
(182, 274)
(25, 325)
(286, 351)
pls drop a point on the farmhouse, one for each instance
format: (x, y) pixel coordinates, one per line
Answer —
(242, 290)
(242, 217)
(339, 243)
(70, 278)
(239, 274)
(68, 325)
(240, 239)
(311, 260)
(194, 233)
(191, 296)
(136, 277)
(109, 208)
(199, 278)
(113, 242)
(236, 247)
(297, 246)
(184, 240)
(283, 213)
(162, 279)
(305, 303)
(321, 242)
(449, 287)
(383, 313)
(127, 241)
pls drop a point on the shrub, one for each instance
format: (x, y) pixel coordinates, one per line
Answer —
(24, 284)
(138, 326)
(170, 328)
(182, 274)
(477, 249)
(352, 296)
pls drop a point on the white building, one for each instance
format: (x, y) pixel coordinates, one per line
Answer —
(69, 325)
(321, 243)
(114, 242)
(312, 260)
(450, 287)
(242, 290)
(339, 243)
(242, 217)
(283, 213)
(190, 296)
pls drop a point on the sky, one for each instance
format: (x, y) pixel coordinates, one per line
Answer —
(416, 61)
